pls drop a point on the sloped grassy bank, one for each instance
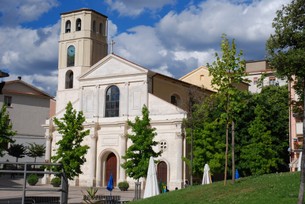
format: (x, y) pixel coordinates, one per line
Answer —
(272, 188)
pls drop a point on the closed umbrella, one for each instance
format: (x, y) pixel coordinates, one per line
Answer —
(151, 187)
(206, 175)
(300, 161)
(110, 184)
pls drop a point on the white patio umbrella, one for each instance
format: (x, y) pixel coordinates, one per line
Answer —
(299, 161)
(206, 179)
(151, 187)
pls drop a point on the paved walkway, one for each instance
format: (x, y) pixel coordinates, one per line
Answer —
(12, 188)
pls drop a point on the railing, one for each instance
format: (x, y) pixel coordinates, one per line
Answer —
(63, 189)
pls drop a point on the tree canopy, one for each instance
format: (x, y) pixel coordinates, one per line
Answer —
(36, 150)
(261, 133)
(138, 153)
(17, 150)
(70, 152)
(6, 130)
(286, 51)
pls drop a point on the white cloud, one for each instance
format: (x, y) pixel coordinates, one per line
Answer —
(14, 12)
(135, 7)
(181, 42)
(26, 50)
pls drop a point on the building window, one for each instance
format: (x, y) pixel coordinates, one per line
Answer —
(78, 24)
(175, 100)
(70, 56)
(101, 28)
(8, 101)
(112, 102)
(163, 146)
(69, 79)
(94, 26)
(68, 26)
(271, 80)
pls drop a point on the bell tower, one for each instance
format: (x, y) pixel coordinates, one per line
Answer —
(82, 43)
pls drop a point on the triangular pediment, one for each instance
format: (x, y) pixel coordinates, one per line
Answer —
(113, 65)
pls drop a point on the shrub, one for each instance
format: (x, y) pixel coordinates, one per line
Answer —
(32, 179)
(56, 181)
(123, 186)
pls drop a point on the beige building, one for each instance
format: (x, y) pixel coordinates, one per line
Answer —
(111, 90)
(201, 78)
(260, 74)
(28, 108)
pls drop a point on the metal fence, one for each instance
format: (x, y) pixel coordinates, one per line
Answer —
(14, 168)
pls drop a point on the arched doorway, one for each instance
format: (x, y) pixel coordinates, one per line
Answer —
(111, 168)
(162, 172)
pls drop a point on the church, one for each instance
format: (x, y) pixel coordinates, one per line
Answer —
(111, 90)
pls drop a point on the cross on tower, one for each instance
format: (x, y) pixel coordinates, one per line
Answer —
(112, 44)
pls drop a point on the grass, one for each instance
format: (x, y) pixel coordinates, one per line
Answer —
(271, 188)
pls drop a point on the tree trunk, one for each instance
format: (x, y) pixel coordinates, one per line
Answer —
(302, 183)
(226, 155)
(233, 154)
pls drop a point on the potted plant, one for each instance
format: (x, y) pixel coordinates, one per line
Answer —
(123, 186)
(56, 181)
(90, 195)
(32, 179)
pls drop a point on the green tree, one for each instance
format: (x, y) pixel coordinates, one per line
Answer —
(17, 150)
(70, 152)
(265, 149)
(208, 135)
(6, 132)
(286, 51)
(261, 133)
(228, 71)
(138, 153)
(36, 150)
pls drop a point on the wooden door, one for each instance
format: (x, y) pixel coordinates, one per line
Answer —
(162, 172)
(111, 168)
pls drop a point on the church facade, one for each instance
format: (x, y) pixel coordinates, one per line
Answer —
(111, 90)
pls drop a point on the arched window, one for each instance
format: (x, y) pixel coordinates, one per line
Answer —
(78, 24)
(175, 100)
(69, 79)
(70, 56)
(112, 102)
(94, 26)
(68, 26)
(101, 28)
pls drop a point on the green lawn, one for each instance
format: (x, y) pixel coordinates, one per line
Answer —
(267, 189)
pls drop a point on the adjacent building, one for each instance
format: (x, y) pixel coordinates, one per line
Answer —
(28, 108)
(260, 74)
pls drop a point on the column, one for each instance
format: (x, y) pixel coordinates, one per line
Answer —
(48, 137)
(123, 141)
(92, 155)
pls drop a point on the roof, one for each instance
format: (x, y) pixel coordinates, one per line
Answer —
(9, 87)
(192, 72)
(84, 9)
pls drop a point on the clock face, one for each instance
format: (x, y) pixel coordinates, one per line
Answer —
(71, 51)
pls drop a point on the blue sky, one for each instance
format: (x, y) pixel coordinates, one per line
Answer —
(172, 37)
